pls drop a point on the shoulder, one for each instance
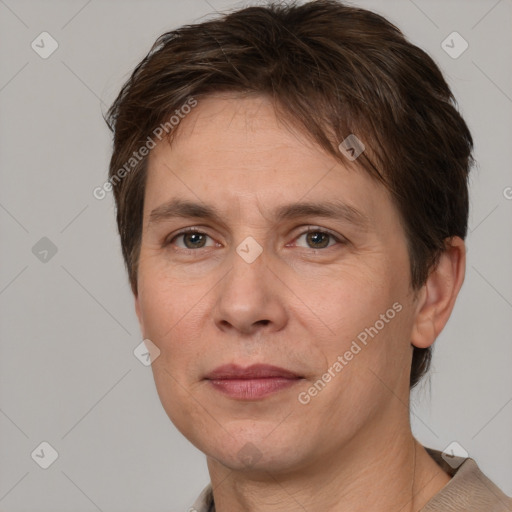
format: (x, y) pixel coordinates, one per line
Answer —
(469, 490)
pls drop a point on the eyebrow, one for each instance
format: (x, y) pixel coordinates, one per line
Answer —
(332, 209)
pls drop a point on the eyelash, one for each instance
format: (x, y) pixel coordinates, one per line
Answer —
(337, 238)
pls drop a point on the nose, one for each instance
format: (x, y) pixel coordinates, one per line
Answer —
(250, 298)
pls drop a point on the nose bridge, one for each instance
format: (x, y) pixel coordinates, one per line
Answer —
(247, 278)
(248, 294)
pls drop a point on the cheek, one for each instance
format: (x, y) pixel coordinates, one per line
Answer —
(187, 414)
(350, 300)
(366, 312)
(167, 305)
(171, 322)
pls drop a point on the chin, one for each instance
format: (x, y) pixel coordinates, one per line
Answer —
(255, 453)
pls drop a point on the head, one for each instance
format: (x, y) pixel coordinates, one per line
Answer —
(246, 116)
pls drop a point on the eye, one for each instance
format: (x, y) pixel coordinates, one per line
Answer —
(318, 239)
(191, 238)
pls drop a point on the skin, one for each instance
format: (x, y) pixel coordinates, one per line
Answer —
(296, 306)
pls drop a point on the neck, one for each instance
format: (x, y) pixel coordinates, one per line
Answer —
(387, 472)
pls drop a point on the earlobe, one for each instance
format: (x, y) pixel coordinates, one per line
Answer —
(437, 298)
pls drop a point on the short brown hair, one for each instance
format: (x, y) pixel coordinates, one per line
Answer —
(334, 70)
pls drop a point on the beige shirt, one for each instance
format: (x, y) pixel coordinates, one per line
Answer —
(469, 490)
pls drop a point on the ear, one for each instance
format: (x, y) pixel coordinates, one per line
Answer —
(437, 297)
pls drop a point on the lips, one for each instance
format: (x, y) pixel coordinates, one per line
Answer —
(256, 371)
(255, 382)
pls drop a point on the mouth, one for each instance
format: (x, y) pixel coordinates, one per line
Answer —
(252, 383)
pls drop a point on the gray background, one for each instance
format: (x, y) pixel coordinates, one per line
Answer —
(68, 328)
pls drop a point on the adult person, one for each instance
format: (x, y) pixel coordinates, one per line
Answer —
(292, 220)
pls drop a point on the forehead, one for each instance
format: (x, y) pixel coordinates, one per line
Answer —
(228, 123)
(230, 148)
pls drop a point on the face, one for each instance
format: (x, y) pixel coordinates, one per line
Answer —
(322, 292)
